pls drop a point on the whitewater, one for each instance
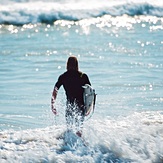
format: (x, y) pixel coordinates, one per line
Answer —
(123, 140)
(28, 11)
(119, 45)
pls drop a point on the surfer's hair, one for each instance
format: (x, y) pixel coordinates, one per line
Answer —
(72, 63)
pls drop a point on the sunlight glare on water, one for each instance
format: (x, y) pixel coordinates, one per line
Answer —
(118, 45)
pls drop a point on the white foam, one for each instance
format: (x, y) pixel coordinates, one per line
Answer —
(49, 11)
(136, 138)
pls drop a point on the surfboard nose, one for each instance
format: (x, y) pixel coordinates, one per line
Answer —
(86, 86)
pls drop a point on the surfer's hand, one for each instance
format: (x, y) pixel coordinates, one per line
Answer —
(54, 111)
(52, 105)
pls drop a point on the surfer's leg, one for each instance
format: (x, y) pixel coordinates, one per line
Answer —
(79, 119)
(79, 133)
(70, 115)
(69, 119)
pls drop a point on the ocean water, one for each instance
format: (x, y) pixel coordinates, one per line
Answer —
(119, 45)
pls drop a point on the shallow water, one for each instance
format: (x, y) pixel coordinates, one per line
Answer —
(122, 55)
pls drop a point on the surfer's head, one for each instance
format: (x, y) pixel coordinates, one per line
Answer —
(72, 63)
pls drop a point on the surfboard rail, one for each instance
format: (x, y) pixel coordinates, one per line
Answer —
(89, 97)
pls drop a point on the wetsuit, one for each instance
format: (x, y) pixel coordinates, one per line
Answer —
(72, 82)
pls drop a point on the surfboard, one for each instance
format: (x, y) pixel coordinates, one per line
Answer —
(89, 97)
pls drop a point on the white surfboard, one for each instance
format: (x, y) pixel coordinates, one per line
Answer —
(89, 98)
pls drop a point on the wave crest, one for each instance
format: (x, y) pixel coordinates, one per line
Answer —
(49, 12)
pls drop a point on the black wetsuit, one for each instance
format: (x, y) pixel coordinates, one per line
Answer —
(72, 82)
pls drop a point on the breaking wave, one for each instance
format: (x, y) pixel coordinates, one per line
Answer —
(24, 12)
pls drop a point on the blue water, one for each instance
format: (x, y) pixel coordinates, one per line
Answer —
(119, 45)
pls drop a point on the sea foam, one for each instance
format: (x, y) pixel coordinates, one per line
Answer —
(135, 138)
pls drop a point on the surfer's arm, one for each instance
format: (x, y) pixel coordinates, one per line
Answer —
(54, 94)
(86, 80)
(53, 99)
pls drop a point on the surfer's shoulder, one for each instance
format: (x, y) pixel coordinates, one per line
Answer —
(63, 75)
(82, 74)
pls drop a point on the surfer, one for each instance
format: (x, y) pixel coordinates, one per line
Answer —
(72, 81)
